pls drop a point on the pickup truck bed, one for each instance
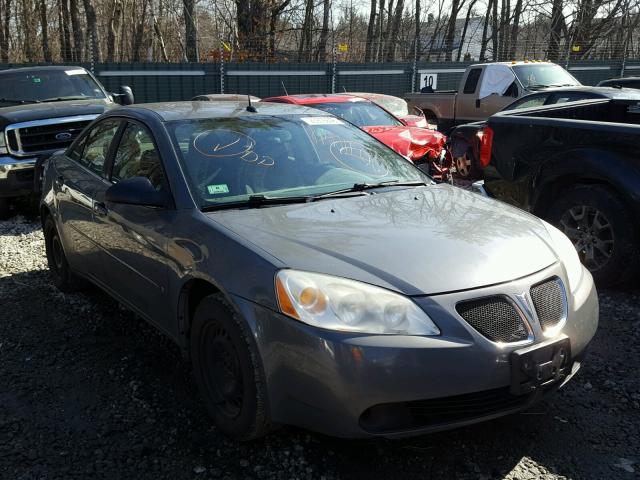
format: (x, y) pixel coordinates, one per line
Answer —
(578, 166)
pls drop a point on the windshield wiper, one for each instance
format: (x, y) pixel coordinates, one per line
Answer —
(18, 100)
(64, 99)
(257, 201)
(361, 187)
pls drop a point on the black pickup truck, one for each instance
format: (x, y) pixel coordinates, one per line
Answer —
(42, 109)
(576, 165)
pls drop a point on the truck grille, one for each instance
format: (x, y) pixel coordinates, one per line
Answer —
(548, 299)
(41, 136)
(496, 318)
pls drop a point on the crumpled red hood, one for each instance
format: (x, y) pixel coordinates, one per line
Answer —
(412, 142)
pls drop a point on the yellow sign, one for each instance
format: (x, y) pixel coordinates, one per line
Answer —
(226, 46)
(343, 47)
(575, 48)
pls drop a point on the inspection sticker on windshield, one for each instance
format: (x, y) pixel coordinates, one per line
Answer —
(322, 121)
(216, 189)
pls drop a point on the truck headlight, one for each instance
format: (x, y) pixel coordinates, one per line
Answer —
(567, 254)
(346, 305)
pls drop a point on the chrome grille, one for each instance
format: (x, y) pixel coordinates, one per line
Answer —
(494, 317)
(548, 299)
(39, 136)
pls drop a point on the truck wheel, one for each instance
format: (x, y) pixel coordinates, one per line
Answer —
(5, 210)
(603, 231)
(61, 274)
(228, 370)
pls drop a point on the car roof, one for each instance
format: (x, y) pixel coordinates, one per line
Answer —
(49, 68)
(314, 98)
(193, 110)
(514, 63)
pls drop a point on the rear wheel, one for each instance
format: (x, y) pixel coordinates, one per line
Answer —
(466, 166)
(603, 231)
(228, 370)
(61, 274)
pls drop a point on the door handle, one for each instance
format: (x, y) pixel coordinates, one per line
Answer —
(477, 103)
(100, 209)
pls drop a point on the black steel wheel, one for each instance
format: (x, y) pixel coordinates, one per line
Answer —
(61, 274)
(603, 230)
(228, 370)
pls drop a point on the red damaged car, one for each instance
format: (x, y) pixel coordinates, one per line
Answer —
(419, 145)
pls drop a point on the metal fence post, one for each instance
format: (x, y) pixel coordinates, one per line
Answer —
(221, 70)
(334, 70)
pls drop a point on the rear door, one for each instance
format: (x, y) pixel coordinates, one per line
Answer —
(134, 238)
(80, 175)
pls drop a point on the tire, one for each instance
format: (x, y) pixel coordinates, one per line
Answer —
(61, 274)
(5, 210)
(603, 230)
(467, 166)
(228, 370)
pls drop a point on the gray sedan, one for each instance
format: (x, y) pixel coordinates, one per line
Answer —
(313, 276)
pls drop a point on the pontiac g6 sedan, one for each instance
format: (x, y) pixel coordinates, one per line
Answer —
(311, 274)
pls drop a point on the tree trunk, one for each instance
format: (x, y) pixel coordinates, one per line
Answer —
(306, 37)
(513, 43)
(324, 33)
(557, 19)
(113, 29)
(191, 30)
(92, 30)
(485, 28)
(5, 33)
(138, 36)
(464, 29)
(494, 30)
(371, 28)
(417, 46)
(44, 26)
(78, 35)
(158, 32)
(395, 29)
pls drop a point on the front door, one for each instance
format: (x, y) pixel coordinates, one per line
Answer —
(133, 237)
(80, 175)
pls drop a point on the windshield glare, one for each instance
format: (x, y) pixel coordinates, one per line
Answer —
(230, 159)
(49, 85)
(543, 75)
(395, 105)
(362, 114)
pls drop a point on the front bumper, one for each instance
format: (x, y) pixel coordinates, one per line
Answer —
(17, 176)
(331, 382)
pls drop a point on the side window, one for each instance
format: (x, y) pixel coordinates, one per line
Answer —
(472, 80)
(528, 102)
(137, 157)
(76, 152)
(568, 97)
(97, 145)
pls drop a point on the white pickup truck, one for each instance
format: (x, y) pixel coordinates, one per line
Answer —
(486, 89)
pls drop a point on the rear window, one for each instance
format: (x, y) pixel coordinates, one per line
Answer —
(472, 81)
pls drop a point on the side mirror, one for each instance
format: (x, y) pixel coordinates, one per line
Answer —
(124, 95)
(135, 191)
(417, 111)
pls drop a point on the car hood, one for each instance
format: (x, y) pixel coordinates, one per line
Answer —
(417, 241)
(38, 111)
(412, 142)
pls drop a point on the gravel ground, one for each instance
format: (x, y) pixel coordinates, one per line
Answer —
(87, 390)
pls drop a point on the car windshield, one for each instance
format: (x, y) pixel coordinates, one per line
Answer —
(543, 75)
(395, 105)
(236, 159)
(47, 85)
(362, 114)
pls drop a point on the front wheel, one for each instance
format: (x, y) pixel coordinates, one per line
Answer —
(228, 370)
(603, 231)
(467, 167)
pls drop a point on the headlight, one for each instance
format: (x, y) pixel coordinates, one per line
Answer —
(336, 303)
(567, 254)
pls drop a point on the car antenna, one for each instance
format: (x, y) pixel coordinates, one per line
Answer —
(344, 89)
(284, 88)
(251, 108)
